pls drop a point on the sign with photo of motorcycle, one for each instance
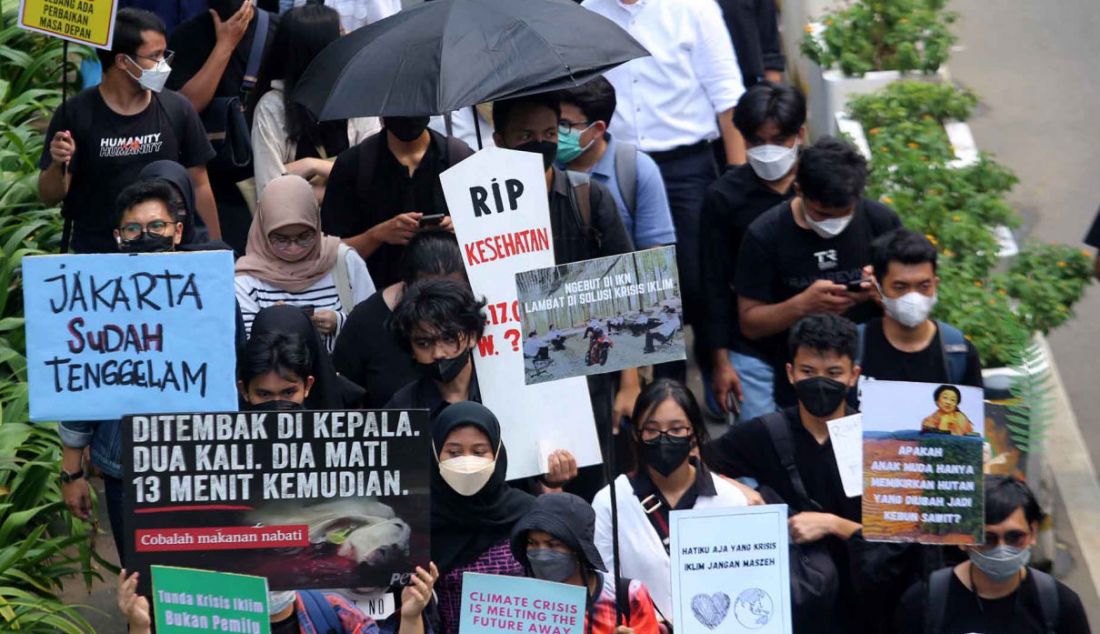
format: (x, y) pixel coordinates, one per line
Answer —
(306, 499)
(602, 315)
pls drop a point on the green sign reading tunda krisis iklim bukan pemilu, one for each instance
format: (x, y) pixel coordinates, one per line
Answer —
(186, 600)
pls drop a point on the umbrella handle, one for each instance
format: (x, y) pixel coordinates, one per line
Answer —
(477, 126)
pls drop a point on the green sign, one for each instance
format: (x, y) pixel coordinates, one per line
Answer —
(186, 600)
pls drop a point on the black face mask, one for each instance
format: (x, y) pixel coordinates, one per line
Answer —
(548, 150)
(147, 243)
(665, 453)
(406, 129)
(275, 406)
(446, 370)
(820, 395)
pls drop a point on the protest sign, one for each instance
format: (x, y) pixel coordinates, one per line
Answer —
(492, 604)
(90, 22)
(110, 335)
(333, 499)
(922, 463)
(498, 201)
(846, 437)
(602, 315)
(186, 600)
(730, 570)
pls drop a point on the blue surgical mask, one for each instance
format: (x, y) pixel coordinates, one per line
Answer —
(569, 144)
(551, 565)
(1001, 562)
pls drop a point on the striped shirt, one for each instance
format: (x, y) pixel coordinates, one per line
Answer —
(254, 294)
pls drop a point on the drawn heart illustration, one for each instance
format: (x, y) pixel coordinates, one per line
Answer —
(712, 609)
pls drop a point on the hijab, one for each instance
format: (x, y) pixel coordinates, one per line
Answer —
(287, 200)
(176, 175)
(464, 527)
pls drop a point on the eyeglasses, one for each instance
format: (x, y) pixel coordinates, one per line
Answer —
(450, 344)
(304, 239)
(565, 125)
(1015, 539)
(166, 58)
(133, 230)
(652, 433)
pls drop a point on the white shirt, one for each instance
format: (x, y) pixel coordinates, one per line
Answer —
(356, 13)
(671, 98)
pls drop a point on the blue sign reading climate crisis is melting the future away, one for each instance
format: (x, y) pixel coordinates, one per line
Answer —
(109, 335)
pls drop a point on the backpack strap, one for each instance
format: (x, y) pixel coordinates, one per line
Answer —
(935, 607)
(626, 174)
(256, 52)
(341, 279)
(954, 347)
(580, 193)
(861, 331)
(622, 595)
(320, 612)
(778, 429)
(1048, 598)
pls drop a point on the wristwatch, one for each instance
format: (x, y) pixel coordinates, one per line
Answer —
(67, 477)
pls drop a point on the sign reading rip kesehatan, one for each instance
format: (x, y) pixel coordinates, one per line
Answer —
(333, 499)
(501, 214)
(109, 335)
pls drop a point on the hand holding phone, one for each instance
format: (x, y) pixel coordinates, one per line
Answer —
(432, 220)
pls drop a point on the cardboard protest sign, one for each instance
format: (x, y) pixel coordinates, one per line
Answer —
(730, 571)
(602, 315)
(90, 22)
(492, 604)
(186, 600)
(109, 335)
(922, 463)
(846, 437)
(498, 201)
(333, 499)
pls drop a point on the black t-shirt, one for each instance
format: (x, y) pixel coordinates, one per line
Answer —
(571, 242)
(111, 150)
(352, 206)
(1092, 238)
(779, 259)
(733, 202)
(882, 361)
(368, 353)
(288, 625)
(193, 42)
(753, 27)
(1018, 613)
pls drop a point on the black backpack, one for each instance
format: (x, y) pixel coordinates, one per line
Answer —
(935, 609)
(815, 582)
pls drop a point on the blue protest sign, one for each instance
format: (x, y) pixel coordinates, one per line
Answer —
(494, 603)
(116, 334)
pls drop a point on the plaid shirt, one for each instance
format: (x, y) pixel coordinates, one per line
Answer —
(641, 616)
(498, 560)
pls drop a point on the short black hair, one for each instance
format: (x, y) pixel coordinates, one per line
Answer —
(1005, 494)
(947, 388)
(781, 104)
(824, 332)
(142, 191)
(903, 246)
(662, 390)
(285, 354)
(504, 108)
(129, 24)
(596, 99)
(831, 172)
(449, 306)
(431, 252)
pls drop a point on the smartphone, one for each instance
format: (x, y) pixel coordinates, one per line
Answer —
(855, 286)
(433, 220)
(308, 310)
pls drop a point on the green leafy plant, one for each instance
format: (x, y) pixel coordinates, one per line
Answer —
(1032, 403)
(871, 35)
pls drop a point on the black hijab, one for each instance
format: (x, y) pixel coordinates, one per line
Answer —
(464, 527)
(329, 390)
(176, 175)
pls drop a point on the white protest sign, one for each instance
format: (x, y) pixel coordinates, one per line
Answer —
(846, 436)
(499, 204)
(730, 571)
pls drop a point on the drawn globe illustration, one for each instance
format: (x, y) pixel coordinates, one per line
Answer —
(753, 608)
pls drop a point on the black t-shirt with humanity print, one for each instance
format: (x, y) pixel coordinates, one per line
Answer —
(112, 148)
(779, 259)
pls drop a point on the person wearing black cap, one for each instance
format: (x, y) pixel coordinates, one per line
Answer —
(555, 541)
(473, 508)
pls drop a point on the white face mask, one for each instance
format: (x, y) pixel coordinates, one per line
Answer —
(910, 310)
(467, 474)
(279, 601)
(772, 162)
(830, 227)
(152, 78)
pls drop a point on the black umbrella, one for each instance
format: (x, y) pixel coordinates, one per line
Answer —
(441, 56)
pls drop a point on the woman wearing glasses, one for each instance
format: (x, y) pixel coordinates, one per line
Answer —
(289, 261)
(667, 431)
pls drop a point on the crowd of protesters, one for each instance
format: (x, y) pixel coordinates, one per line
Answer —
(351, 293)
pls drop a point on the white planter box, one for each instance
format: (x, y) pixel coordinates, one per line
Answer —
(966, 154)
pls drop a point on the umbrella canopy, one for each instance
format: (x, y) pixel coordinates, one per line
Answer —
(441, 56)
